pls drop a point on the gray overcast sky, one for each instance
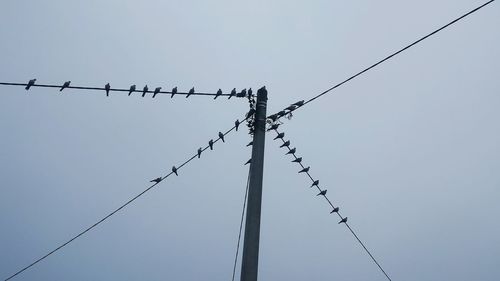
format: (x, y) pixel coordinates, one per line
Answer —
(410, 151)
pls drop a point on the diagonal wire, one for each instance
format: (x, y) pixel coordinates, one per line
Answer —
(339, 215)
(113, 89)
(241, 224)
(114, 211)
(391, 55)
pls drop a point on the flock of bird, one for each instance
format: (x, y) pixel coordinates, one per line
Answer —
(133, 88)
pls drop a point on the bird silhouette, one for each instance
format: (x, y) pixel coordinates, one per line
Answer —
(250, 143)
(250, 113)
(236, 124)
(279, 136)
(291, 151)
(30, 83)
(344, 220)
(299, 103)
(144, 90)
(174, 91)
(107, 87)
(190, 92)
(157, 90)
(211, 144)
(335, 210)
(65, 85)
(199, 152)
(221, 136)
(249, 161)
(242, 94)
(132, 89)
(297, 160)
(174, 170)
(273, 127)
(287, 143)
(322, 192)
(219, 92)
(233, 92)
(305, 170)
(315, 183)
(157, 180)
(250, 92)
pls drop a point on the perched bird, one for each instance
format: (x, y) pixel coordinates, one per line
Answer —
(144, 90)
(298, 160)
(65, 85)
(250, 92)
(233, 92)
(344, 220)
(221, 136)
(299, 103)
(107, 87)
(291, 151)
(199, 152)
(157, 180)
(242, 94)
(279, 136)
(305, 170)
(335, 210)
(190, 92)
(157, 90)
(219, 92)
(250, 113)
(250, 143)
(132, 89)
(273, 127)
(315, 183)
(174, 91)
(174, 170)
(211, 144)
(236, 124)
(30, 83)
(322, 192)
(287, 143)
(249, 161)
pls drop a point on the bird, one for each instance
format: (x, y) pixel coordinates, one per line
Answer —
(157, 90)
(305, 170)
(335, 210)
(199, 152)
(279, 136)
(291, 151)
(250, 92)
(174, 91)
(236, 124)
(65, 85)
(299, 103)
(190, 92)
(132, 89)
(221, 136)
(287, 143)
(157, 180)
(344, 220)
(107, 87)
(322, 192)
(250, 113)
(211, 144)
(249, 161)
(250, 143)
(174, 170)
(233, 92)
(144, 90)
(315, 183)
(298, 160)
(219, 92)
(273, 127)
(30, 83)
(242, 94)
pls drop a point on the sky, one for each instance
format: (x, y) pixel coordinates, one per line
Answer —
(410, 151)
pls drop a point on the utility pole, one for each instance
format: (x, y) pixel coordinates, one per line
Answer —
(250, 260)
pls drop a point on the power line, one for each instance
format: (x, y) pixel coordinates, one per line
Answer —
(172, 93)
(315, 183)
(241, 225)
(386, 58)
(156, 182)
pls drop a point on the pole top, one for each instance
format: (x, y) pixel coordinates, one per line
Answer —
(262, 93)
